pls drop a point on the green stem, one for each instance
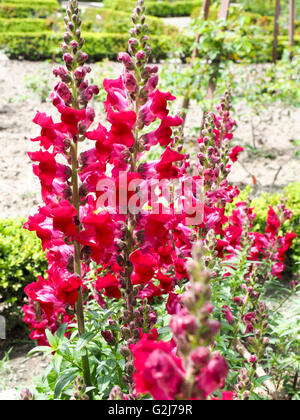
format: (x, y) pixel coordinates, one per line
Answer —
(77, 266)
(235, 333)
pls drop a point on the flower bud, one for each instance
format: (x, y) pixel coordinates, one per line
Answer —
(141, 55)
(200, 356)
(125, 352)
(26, 395)
(116, 394)
(253, 359)
(238, 301)
(82, 57)
(126, 332)
(108, 337)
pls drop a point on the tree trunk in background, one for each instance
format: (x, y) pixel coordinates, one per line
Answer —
(187, 98)
(276, 31)
(205, 9)
(292, 27)
(212, 84)
(223, 13)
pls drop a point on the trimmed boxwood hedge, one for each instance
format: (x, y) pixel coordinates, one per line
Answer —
(157, 8)
(25, 25)
(21, 261)
(33, 2)
(42, 25)
(94, 20)
(45, 45)
(27, 10)
(113, 21)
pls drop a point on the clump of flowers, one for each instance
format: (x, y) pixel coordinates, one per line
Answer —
(117, 227)
(185, 368)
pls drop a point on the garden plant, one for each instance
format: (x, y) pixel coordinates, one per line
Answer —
(147, 274)
(157, 286)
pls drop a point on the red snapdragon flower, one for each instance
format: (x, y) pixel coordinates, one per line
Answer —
(273, 222)
(158, 371)
(235, 153)
(212, 376)
(111, 285)
(143, 267)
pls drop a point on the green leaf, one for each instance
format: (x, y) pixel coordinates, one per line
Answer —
(83, 341)
(40, 349)
(51, 339)
(57, 361)
(165, 333)
(60, 334)
(263, 379)
(65, 380)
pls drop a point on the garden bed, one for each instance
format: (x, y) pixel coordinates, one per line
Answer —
(20, 191)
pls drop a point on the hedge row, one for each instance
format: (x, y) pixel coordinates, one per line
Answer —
(21, 261)
(42, 25)
(45, 45)
(32, 2)
(157, 8)
(24, 10)
(25, 25)
(113, 21)
(94, 21)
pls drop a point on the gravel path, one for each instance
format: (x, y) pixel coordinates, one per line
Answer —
(179, 22)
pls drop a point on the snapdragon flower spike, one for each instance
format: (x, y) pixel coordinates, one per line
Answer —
(185, 368)
(244, 385)
(140, 245)
(141, 256)
(271, 245)
(57, 223)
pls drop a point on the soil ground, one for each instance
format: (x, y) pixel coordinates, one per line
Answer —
(273, 168)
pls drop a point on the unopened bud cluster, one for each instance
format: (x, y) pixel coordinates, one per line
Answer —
(244, 385)
(117, 394)
(26, 395)
(140, 78)
(194, 331)
(74, 89)
(214, 144)
(79, 390)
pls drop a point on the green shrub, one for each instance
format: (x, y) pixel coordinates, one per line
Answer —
(24, 25)
(37, 46)
(260, 47)
(266, 23)
(95, 20)
(20, 10)
(261, 205)
(44, 45)
(21, 261)
(262, 7)
(112, 21)
(33, 2)
(156, 8)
